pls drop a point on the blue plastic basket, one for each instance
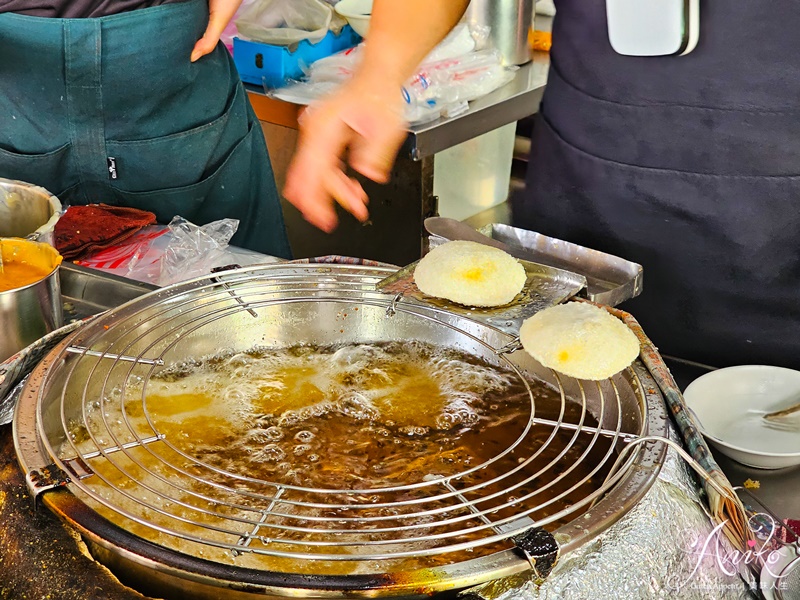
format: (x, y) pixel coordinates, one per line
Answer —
(275, 66)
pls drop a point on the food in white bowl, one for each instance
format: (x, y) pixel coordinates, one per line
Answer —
(730, 405)
(357, 14)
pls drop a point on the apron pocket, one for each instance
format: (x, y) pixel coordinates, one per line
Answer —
(179, 159)
(48, 170)
(187, 201)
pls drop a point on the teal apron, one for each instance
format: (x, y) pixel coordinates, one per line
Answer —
(112, 110)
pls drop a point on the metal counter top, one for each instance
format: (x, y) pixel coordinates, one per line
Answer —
(514, 101)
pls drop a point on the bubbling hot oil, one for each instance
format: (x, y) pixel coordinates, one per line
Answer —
(326, 419)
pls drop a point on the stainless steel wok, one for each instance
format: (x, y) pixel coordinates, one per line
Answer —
(285, 305)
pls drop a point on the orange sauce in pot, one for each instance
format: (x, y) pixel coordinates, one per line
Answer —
(25, 262)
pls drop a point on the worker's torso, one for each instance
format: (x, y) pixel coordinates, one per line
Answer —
(69, 9)
(111, 110)
(689, 165)
(738, 91)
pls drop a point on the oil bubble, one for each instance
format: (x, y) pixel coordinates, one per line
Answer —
(274, 433)
(270, 453)
(304, 436)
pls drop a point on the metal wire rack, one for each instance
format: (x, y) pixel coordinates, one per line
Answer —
(114, 455)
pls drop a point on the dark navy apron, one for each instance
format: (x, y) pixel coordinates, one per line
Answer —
(688, 165)
(111, 110)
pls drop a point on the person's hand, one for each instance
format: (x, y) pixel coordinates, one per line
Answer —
(362, 124)
(220, 13)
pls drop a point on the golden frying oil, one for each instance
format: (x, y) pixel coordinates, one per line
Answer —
(331, 420)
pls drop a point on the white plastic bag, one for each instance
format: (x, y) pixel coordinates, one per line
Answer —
(162, 255)
(195, 250)
(439, 88)
(285, 22)
(458, 42)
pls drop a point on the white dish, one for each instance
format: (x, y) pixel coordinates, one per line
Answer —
(773, 575)
(729, 404)
(357, 13)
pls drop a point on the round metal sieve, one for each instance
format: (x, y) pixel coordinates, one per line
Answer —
(789, 581)
(189, 508)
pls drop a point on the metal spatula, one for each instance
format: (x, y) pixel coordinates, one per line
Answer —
(545, 286)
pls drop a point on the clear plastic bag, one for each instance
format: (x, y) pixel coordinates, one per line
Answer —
(439, 88)
(164, 255)
(195, 250)
(137, 258)
(336, 67)
(285, 22)
(459, 42)
(447, 85)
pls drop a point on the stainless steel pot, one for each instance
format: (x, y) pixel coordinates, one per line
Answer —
(281, 305)
(508, 23)
(28, 313)
(27, 210)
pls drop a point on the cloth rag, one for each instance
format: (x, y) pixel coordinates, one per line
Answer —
(86, 229)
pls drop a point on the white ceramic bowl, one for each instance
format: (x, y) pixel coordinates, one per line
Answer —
(357, 13)
(729, 404)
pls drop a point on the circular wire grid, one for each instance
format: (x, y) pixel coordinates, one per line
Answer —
(551, 468)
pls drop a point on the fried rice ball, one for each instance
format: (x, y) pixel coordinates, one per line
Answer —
(579, 340)
(471, 274)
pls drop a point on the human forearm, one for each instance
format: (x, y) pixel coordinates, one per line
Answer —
(403, 32)
(220, 13)
(363, 123)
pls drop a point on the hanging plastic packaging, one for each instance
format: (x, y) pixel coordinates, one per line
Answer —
(443, 86)
(287, 22)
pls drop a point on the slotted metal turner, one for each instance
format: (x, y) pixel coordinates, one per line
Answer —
(545, 286)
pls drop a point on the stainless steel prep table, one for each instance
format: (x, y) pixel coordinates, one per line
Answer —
(514, 101)
(395, 233)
